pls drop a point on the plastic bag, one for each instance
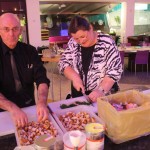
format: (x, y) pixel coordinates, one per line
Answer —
(127, 124)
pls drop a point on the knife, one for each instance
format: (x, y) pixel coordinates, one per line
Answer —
(87, 98)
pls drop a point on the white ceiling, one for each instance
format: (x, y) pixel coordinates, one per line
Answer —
(49, 7)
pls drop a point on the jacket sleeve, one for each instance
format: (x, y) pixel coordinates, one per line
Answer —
(113, 61)
(39, 71)
(67, 57)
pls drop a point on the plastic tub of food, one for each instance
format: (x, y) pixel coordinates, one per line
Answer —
(76, 118)
(27, 135)
(69, 143)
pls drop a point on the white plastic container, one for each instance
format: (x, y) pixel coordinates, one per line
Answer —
(44, 143)
(24, 148)
(76, 109)
(95, 136)
(34, 118)
(68, 145)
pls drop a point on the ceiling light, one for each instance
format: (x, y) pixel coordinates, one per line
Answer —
(62, 5)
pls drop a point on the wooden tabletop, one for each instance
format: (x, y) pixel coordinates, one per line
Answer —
(51, 59)
(59, 42)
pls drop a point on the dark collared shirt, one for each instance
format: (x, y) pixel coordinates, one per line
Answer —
(30, 70)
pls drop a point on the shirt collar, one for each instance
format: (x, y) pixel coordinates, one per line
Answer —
(6, 49)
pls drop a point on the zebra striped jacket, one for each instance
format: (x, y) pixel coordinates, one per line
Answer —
(105, 61)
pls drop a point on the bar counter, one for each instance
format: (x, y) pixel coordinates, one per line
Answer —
(8, 140)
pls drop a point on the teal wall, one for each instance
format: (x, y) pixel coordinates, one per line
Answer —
(116, 8)
(95, 18)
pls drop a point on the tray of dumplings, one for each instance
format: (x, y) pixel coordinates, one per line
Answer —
(28, 134)
(76, 118)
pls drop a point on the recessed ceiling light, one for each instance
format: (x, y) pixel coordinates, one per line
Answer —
(62, 5)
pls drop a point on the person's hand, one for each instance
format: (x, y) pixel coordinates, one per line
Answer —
(42, 111)
(19, 117)
(78, 84)
(95, 94)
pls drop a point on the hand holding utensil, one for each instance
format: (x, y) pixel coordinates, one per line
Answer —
(86, 97)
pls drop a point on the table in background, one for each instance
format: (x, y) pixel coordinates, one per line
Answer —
(133, 49)
(130, 52)
(53, 60)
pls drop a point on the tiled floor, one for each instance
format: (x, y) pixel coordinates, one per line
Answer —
(128, 81)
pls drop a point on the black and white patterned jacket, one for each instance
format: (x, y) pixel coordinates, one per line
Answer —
(106, 61)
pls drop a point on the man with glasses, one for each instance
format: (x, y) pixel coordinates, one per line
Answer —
(20, 68)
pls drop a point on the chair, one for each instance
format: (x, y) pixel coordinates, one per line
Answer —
(145, 44)
(141, 58)
(122, 59)
(127, 44)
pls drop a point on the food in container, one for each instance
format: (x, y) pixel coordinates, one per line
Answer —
(44, 142)
(123, 106)
(73, 104)
(33, 130)
(76, 121)
(95, 136)
(76, 118)
(129, 124)
(28, 134)
(68, 143)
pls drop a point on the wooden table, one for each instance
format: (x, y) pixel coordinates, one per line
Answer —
(53, 60)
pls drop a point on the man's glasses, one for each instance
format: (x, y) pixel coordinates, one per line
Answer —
(6, 29)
